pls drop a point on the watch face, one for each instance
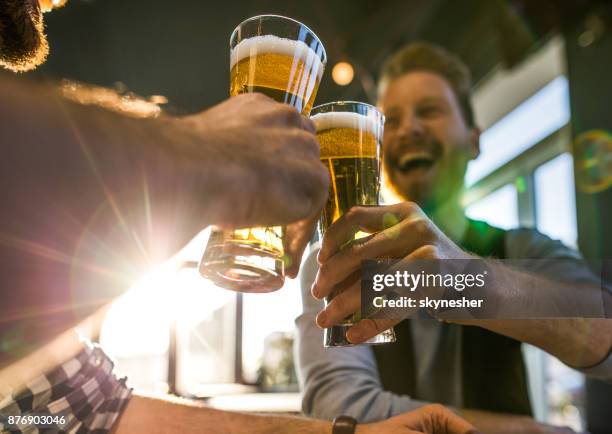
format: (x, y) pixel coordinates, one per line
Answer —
(344, 425)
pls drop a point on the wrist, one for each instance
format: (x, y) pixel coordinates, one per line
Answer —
(263, 424)
(363, 428)
(209, 173)
(344, 425)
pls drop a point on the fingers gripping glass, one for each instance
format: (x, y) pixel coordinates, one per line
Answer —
(350, 135)
(284, 60)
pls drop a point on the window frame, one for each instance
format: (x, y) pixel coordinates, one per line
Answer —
(522, 167)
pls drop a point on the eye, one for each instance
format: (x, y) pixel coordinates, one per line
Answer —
(430, 110)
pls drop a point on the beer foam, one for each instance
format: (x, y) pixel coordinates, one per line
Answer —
(274, 44)
(326, 121)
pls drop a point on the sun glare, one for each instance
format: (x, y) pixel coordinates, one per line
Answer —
(139, 322)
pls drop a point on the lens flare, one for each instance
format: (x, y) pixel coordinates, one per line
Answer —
(593, 154)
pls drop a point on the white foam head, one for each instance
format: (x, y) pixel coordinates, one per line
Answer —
(326, 121)
(273, 44)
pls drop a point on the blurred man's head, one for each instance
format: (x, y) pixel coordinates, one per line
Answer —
(23, 45)
(430, 134)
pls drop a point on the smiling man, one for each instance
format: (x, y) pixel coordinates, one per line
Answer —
(426, 159)
(476, 366)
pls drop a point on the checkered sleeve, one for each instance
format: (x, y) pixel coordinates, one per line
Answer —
(83, 393)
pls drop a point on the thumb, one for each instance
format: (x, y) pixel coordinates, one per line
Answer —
(295, 240)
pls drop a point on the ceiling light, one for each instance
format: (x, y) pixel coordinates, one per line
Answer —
(342, 73)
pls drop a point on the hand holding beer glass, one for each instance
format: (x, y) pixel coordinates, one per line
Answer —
(349, 134)
(284, 60)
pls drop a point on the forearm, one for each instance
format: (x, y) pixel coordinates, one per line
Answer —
(37, 118)
(151, 416)
(331, 391)
(49, 355)
(339, 380)
(120, 179)
(572, 325)
(333, 385)
(93, 200)
(578, 342)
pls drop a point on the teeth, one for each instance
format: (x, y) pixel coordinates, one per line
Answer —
(406, 159)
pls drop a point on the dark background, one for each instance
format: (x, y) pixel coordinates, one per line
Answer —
(181, 49)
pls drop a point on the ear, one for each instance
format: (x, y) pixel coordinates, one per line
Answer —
(475, 142)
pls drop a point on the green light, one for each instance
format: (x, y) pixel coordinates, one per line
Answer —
(390, 221)
(521, 184)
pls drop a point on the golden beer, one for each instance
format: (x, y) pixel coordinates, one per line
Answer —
(285, 70)
(287, 66)
(350, 134)
(355, 176)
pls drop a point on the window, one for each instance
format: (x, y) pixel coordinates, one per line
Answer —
(534, 119)
(136, 334)
(204, 330)
(498, 208)
(269, 323)
(173, 313)
(524, 177)
(556, 200)
(173, 307)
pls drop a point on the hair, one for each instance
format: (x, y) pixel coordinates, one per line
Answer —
(422, 56)
(23, 44)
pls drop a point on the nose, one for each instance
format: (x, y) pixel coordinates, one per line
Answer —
(411, 127)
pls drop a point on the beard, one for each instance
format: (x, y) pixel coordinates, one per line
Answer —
(409, 166)
(23, 44)
(425, 173)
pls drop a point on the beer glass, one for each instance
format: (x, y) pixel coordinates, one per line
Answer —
(283, 59)
(350, 134)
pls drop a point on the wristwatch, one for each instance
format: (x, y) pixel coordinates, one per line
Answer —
(344, 425)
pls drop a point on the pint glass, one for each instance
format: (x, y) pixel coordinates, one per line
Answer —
(350, 134)
(283, 59)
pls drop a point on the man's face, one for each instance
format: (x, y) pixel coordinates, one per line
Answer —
(427, 144)
(23, 45)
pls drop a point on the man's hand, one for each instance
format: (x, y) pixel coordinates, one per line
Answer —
(498, 423)
(399, 231)
(431, 419)
(269, 160)
(272, 174)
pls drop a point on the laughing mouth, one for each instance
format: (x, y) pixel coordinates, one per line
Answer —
(413, 161)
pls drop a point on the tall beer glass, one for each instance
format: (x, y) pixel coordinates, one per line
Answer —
(350, 134)
(283, 59)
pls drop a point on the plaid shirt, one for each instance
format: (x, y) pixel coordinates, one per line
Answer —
(83, 393)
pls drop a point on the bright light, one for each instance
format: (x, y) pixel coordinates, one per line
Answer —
(342, 73)
(387, 193)
(158, 99)
(137, 327)
(47, 5)
(138, 323)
